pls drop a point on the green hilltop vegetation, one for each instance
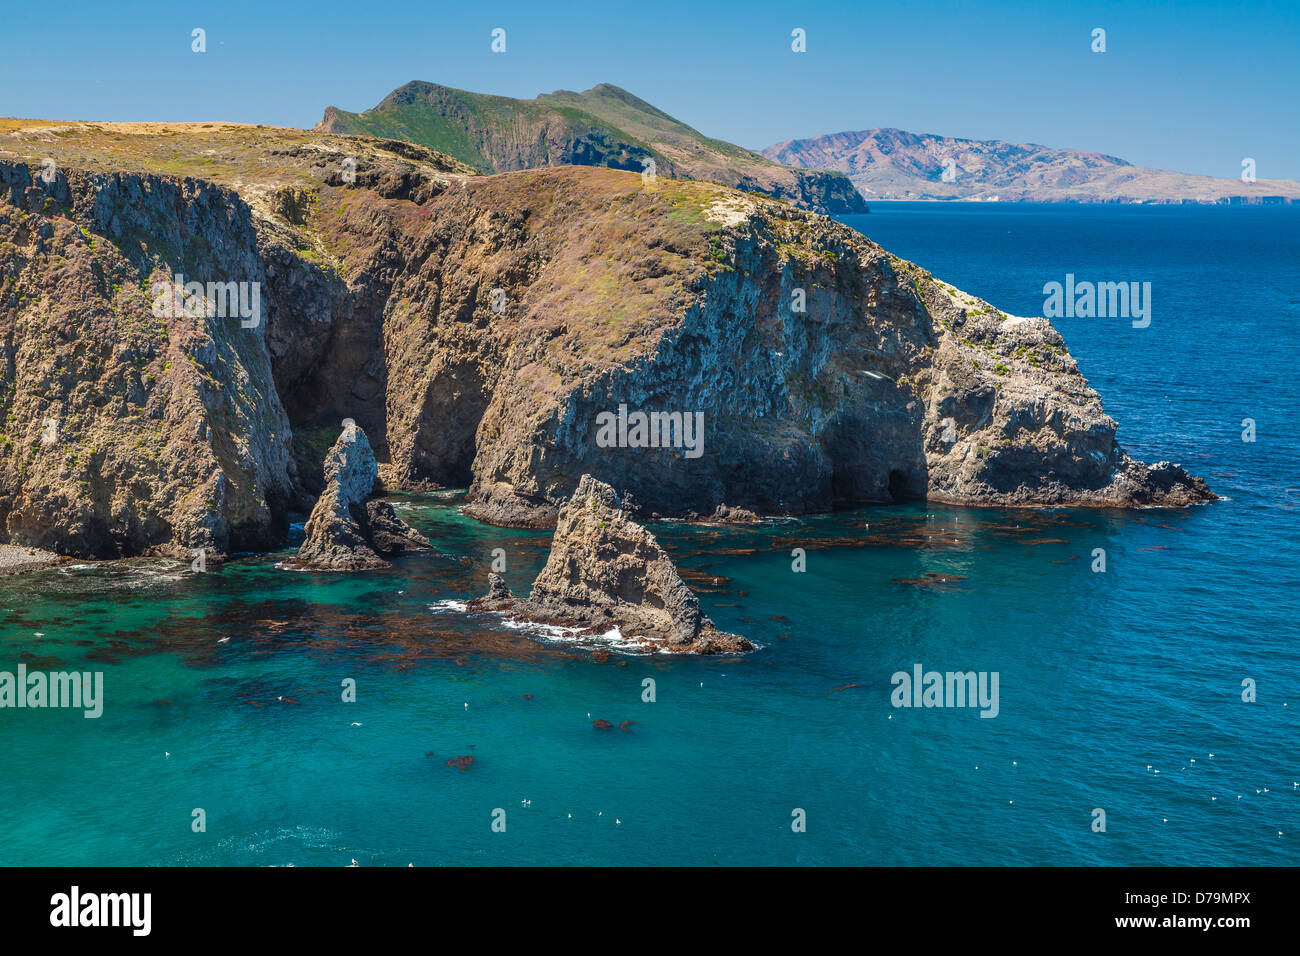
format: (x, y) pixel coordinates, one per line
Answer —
(603, 126)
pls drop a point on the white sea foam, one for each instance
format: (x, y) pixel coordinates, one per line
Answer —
(552, 631)
(443, 606)
(612, 639)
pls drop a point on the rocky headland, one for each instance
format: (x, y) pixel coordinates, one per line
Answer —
(480, 329)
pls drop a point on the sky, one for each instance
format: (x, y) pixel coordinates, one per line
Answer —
(1193, 87)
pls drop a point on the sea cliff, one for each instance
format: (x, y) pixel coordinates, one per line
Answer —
(478, 328)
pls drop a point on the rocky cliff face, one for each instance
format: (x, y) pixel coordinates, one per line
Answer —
(131, 428)
(502, 332)
(889, 385)
(607, 572)
(126, 432)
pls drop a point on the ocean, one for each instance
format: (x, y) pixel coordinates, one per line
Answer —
(1119, 691)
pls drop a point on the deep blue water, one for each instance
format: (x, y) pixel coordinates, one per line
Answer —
(1101, 675)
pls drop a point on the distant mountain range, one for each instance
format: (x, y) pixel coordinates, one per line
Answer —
(604, 126)
(896, 164)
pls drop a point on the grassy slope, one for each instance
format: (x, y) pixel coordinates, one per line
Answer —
(625, 252)
(441, 125)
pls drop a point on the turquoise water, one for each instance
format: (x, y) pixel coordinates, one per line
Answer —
(1101, 675)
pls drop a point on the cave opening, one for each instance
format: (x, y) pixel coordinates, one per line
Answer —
(897, 485)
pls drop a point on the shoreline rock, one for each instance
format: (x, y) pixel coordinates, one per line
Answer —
(605, 571)
(346, 531)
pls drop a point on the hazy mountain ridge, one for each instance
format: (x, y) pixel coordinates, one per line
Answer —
(896, 164)
(603, 126)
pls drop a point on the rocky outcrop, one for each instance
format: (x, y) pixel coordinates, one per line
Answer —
(346, 531)
(605, 571)
(498, 332)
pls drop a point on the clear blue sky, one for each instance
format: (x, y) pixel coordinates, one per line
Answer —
(1188, 86)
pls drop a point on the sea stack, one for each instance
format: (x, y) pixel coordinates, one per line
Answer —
(346, 531)
(606, 571)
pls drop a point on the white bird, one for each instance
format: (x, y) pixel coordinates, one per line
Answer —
(167, 753)
(618, 822)
(1212, 799)
(353, 863)
(467, 705)
(570, 816)
(356, 723)
(1193, 760)
(223, 640)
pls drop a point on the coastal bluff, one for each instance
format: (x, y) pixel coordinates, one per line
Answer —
(477, 327)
